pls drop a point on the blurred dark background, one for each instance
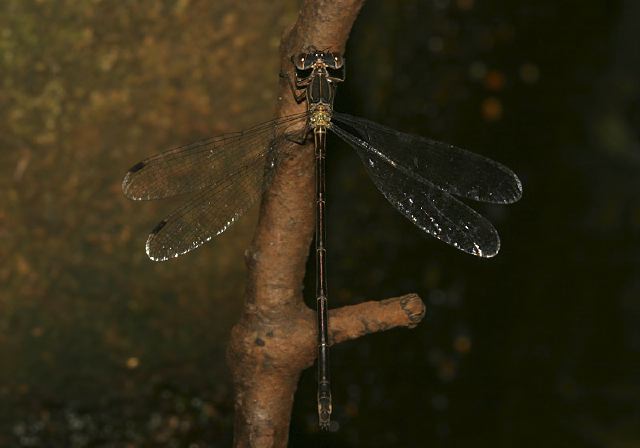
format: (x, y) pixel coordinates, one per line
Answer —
(539, 346)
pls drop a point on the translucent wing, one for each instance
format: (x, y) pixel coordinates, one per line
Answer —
(215, 208)
(450, 169)
(198, 165)
(431, 209)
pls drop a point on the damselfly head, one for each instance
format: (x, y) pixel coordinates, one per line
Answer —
(317, 58)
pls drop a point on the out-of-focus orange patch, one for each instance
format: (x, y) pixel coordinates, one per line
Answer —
(22, 265)
(133, 362)
(462, 344)
(491, 109)
(494, 80)
(465, 5)
(447, 370)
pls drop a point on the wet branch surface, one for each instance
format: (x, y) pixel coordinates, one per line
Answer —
(275, 338)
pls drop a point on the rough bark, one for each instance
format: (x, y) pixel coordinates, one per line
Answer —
(275, 338)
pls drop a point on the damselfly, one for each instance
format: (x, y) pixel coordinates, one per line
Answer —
(226, 174)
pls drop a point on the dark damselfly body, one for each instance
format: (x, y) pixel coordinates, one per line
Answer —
(228, 173)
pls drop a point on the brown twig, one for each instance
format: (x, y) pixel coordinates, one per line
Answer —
(275, 338)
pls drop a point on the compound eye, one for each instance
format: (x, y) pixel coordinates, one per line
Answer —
(309, 61)
(333, 60)
(299, 61)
